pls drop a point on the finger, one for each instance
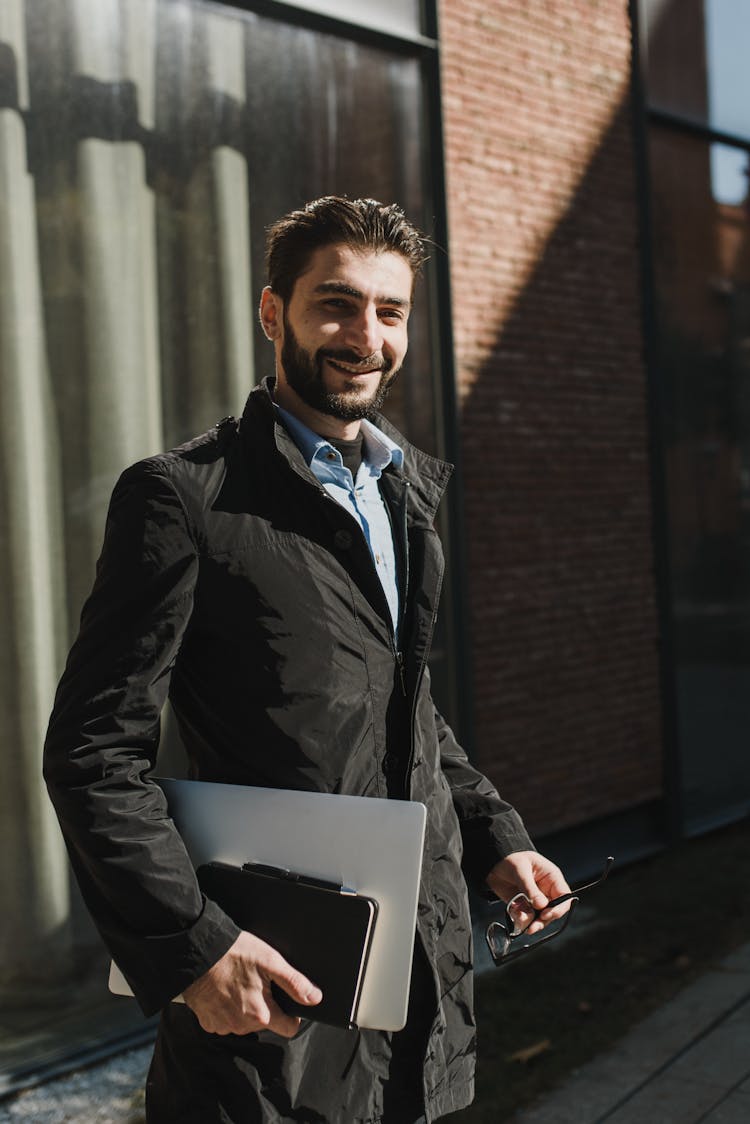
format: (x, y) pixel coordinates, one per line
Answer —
(531, 889)
(281, 1023)
(555, 884)
(264, 1015)
(550, 881)
(547, 917)
(555, 914)
(242, 1018)
(514, 876)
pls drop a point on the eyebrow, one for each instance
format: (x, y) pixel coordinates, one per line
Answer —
(350, 291)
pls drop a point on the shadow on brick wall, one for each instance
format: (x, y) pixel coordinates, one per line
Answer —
(556, 480)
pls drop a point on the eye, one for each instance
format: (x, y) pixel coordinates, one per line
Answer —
(392, 315)
(336, 303)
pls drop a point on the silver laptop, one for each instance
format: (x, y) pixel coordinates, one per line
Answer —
(371, 846)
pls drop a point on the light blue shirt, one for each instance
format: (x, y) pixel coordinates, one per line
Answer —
(360, 497)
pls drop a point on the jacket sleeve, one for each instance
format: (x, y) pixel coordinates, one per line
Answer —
(490, 827)
(134, 872)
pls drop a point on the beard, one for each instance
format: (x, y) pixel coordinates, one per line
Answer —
(304, 373)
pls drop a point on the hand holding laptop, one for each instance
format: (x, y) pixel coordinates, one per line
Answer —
(374, 846)
(234, 996)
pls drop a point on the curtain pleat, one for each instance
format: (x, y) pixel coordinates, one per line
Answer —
(226, 77)
(126, 323)
(113, 45)
(204, 215)
(34, 887)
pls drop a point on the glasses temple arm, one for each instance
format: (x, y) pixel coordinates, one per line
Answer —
(579, 889)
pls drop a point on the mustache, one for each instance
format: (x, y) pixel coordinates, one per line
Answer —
(374, 362)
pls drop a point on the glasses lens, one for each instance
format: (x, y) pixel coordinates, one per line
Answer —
(520, 913)
(498, 940)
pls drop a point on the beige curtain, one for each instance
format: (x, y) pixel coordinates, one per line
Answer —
(114, 43)
(216, 237)
(34, 936)
(125, 323)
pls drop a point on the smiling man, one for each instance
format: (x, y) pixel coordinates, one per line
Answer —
(279, 577)
(352, 309)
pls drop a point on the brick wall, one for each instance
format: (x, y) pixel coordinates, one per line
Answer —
(551, 383)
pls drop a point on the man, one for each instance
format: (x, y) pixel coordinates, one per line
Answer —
(279, 576)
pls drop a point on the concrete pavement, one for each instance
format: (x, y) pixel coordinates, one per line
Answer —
(687, 1063)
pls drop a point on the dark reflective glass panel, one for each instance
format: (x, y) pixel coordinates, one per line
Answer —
(702, 273)
(673, 46)
(351, 122)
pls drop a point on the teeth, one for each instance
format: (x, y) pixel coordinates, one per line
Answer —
(353, 370)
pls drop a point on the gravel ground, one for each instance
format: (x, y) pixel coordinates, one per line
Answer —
(108, 1093)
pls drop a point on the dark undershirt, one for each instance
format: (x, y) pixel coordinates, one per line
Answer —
(351, 453)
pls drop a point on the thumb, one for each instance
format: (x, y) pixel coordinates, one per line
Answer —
(296, 986)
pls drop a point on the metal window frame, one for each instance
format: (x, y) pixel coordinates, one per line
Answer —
(672, 772)
(667, 119)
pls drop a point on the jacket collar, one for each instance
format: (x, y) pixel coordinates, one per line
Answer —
(427, 476)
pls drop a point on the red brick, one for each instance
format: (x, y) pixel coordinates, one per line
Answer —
(550, 378)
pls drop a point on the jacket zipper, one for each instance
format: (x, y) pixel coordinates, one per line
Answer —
(397, 654)
(400, 665)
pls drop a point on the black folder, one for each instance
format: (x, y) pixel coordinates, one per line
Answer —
(322, 929)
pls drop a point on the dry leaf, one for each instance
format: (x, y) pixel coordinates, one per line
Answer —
(528, 1053)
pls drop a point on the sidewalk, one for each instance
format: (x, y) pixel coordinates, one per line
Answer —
(688, 1063)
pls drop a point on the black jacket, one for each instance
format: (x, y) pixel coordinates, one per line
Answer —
(232, 581)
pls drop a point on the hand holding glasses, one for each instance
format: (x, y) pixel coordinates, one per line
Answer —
(520, 915)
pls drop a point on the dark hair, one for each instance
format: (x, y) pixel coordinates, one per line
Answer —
(360, 223)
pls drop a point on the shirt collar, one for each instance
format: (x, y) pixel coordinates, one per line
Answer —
(378, 451)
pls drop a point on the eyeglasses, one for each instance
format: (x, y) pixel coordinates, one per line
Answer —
(520, 915)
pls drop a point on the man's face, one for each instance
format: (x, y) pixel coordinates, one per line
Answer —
(344, 331)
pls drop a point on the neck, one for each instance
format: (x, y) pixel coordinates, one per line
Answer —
(323, 424)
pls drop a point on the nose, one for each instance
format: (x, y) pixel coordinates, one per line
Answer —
(367, 332)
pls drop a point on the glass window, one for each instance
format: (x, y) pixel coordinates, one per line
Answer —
(727, 45)
(351, 120)
(729, 174)
(145, 146)
(674, 53)
(696, 61)
(702, 273)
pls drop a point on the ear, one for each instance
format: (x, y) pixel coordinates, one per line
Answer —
(271, 313)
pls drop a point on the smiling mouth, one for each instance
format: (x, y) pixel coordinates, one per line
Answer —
(352, 370)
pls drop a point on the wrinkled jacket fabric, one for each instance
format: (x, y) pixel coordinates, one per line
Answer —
(231, 581)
